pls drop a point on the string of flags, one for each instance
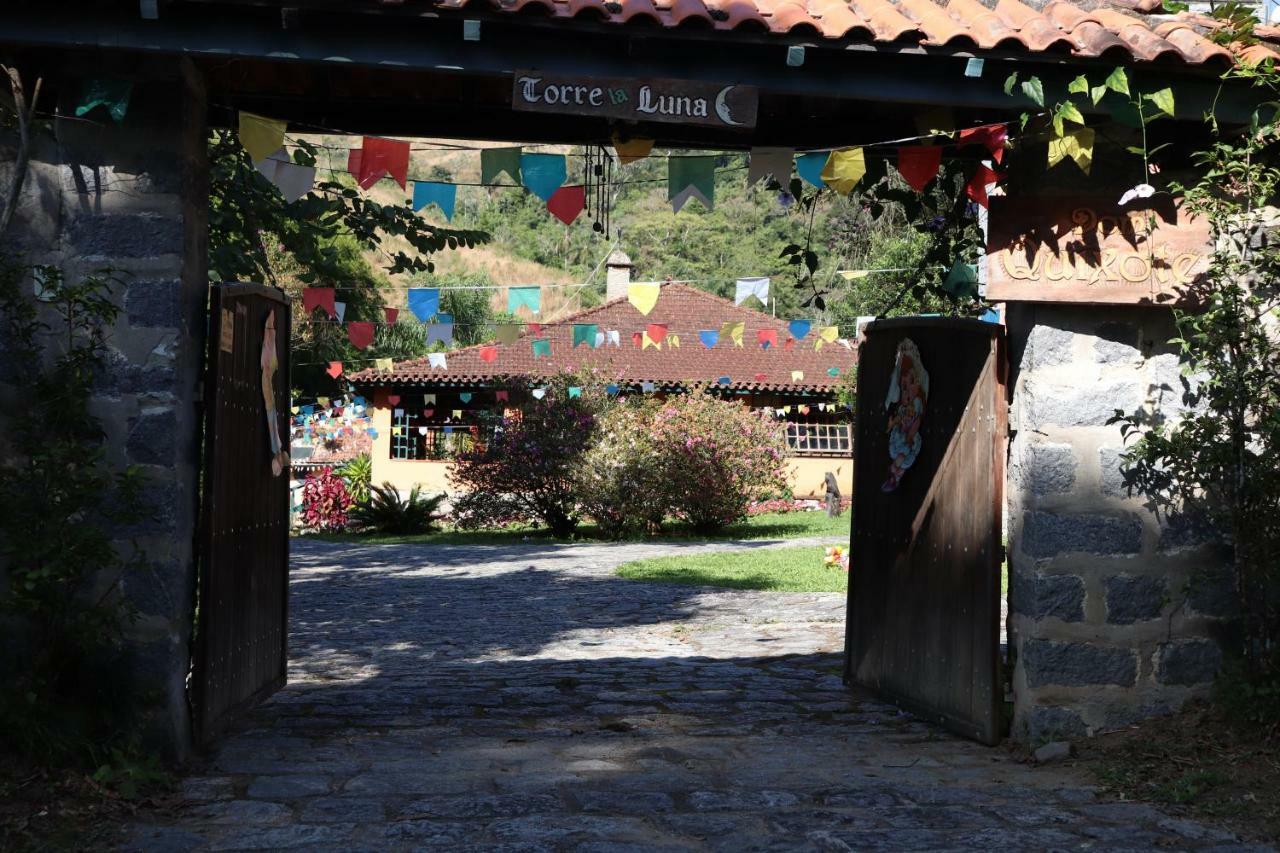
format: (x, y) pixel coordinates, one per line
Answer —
(327, 419)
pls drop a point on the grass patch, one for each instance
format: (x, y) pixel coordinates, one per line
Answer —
(797, 569)
(786, 525)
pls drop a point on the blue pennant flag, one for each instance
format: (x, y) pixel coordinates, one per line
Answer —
(464, 397)
(611, 389)
(723, 380)
(799, 328)
(709, 337)
(443, 196)
(424, 302)
(810, 166)
(543, 174)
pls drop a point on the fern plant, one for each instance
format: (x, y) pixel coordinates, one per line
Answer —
(387, 512)
(358, 474)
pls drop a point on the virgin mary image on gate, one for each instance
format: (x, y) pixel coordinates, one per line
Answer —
(905, 402)
(270, 364)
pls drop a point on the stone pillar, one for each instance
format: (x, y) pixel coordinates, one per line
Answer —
(1112, 610)
(617, 275)
(133, 197)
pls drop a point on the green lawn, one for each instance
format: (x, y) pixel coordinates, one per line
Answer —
(796, 569)
(787, 525)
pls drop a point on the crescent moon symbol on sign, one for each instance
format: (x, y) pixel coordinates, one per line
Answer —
(722, 108)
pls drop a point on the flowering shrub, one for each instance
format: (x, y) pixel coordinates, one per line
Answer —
(621, 479)
(784, 505)
(717, 457)
(836, 557)
(325, 501)
(527, 471)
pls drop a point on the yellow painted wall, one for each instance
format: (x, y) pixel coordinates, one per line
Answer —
(808, 475)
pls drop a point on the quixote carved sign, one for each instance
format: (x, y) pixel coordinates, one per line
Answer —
(677, 101)
(1091, 250)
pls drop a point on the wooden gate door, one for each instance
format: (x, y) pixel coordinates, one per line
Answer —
(924, 580)
(239, 656)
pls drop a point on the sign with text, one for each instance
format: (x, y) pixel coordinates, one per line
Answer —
(1091, 250)
(676, 101)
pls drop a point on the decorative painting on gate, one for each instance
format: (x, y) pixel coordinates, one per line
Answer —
(905, 402)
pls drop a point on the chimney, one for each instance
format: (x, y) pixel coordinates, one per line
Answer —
(617, 275)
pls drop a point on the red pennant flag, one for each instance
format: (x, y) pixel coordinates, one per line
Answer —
(791, 342)
(335, 369)
(767, 338)
(804, 410)
(488, 354)
(990, 136)
(319, 297)
(760, 377)
(566, 203)
(426, 413)
(392, 314)
(657, 332)
(393, 399)
(536, 328)
(500, 396)
(354, 158)
(381, 157)
(977, 186)
(919, 164)
(360, 334)
(637, 338)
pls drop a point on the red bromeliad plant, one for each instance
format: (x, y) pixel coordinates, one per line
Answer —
(325, 501)
(717, 458)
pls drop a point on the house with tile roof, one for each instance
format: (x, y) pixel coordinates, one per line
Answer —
(424, 414)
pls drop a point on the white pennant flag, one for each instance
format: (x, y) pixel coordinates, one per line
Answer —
(770, 161)
(437, 359)
(748, 287)
(340, 308)
(292, 180)
(599, 340)
(615, 338)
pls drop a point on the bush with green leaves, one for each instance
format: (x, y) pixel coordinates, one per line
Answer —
(620, 479)
(358, 475)
(387, 512)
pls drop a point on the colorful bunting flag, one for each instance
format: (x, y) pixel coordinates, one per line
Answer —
(657, 332)
(962, 280)
(614, 338)
(673, 341)
(424, 302)
(539, 393)
(797, 376)
(1076, 146)
(382, 365)
(260, 136)
(114, 95)
(501, 396)
(723, 380)
(799, 328)
(709, 338)
(524, 297)
(379, 157)
(643, 296)
(990, 136)
(646, 341)
(745, 288)
(465, 397)
(391, 314)
(543, 174)
(292, 180)
(495, 161)
(630, 150)
(976, 189)
(443, 196)
(833, 371)
(810, 167)
(541, 348)
(506, 333)
(843, 169)
(760, 377)
(440, 333)
(567, 202)
(611, 389)
(733, 329)
(360, 334)
(488, 354)
(766, 162)
(826, 335)
(334, 369)
(535, 329)
(647, 387)
(691, 177)
(584, 333)
(919, 164)
(341, 309)
(574, 391)
(319, 297)
(436, 359)
(767, 338)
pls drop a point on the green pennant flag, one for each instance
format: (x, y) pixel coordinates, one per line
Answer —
(584, 333)
(495, 161)
(541, 348)
(691, 177)
(105, 92)
(962, 281)
(529, 297)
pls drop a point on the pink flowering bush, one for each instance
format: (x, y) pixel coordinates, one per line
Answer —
(325, 501)
(717, 457)
(621, 480)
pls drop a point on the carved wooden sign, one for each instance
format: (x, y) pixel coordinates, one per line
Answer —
(676, 101)
(1088, 249)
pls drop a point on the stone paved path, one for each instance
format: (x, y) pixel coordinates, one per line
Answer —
(522, 698)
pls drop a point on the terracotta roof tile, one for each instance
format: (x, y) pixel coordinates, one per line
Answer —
(685, 310)
(1115, 29)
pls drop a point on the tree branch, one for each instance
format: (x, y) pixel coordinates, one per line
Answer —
(25, 113)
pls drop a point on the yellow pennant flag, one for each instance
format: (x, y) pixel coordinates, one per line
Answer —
(457, 414)
(647, 341)
(507, 333)
(260, 136)
(851, 275)
(733, 331)
(295, 409)
(673, 341)
(1076, 146)
(788, 409)
(632, 149)
(844, 169)
(643, 296)
(429, 399)
(382, 363)
(322, 402)
(797, 376)
(826, 335)
(396, 430)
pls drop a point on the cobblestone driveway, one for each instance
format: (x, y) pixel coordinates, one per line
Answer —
(523, 698)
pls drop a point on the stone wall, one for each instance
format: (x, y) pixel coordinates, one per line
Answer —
(133, 198)
(1113, 610)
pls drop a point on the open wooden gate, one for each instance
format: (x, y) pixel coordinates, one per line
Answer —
(924, 583)
(241, 629)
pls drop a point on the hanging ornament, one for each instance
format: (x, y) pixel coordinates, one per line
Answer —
(597, 180)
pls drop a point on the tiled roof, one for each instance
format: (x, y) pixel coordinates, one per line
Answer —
(1118, 30)
(685, 311)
